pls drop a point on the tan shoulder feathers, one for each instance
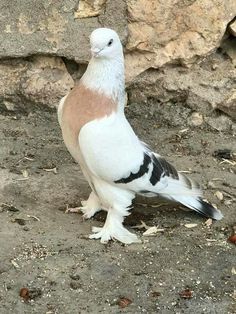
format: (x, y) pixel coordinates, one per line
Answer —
(81, 106)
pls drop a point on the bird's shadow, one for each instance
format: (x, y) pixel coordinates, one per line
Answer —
(151, 211)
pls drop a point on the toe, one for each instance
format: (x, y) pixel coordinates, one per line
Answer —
(73, 210)
(95, 236)
(105, 239)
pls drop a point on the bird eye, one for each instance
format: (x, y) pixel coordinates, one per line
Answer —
(110, 42)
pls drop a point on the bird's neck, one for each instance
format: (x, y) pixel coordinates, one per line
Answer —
(106, 77)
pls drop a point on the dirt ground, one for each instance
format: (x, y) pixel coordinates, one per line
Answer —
(48, 252)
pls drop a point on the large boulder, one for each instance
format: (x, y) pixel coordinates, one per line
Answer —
(203, 88)
(56, 27)
(44, 44)
(38, 81)
(174, 31)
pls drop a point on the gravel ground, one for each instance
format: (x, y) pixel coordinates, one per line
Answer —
(188, 267)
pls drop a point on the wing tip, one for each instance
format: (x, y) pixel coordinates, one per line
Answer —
(210, 211)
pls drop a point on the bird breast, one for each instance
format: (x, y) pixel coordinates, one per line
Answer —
(81, 106)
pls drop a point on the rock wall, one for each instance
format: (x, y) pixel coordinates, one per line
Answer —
(171, 31)
(178, 51)
(56, 28)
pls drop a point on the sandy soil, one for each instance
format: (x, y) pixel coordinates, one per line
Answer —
(48, 252)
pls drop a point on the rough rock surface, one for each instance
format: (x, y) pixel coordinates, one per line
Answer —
(66, 272)
(232, 28)
(170, 31)
(49, 27)
(206, 86)
(88, 8)
(165, 42)
(229, 105)
(38, 80)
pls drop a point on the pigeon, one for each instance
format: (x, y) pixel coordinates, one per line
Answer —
(114, 161)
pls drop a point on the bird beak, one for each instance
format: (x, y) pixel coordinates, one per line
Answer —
(95, 52)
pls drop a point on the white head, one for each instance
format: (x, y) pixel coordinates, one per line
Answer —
(105, 43)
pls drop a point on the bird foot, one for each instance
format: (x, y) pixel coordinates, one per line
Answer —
(90, 207)
(88, 212)
(114, 232)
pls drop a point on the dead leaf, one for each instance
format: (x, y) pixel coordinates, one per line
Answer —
(189, 226)
(54, 170)
(25, 173)
(184, 130)
(141, 226)
(186, 294)
(186, 171)
(211, 185)
(34, 217)
(157, 205)
(234, 295)
(232, 239)
(124, 302)
(226, 161)
(22, 179)
(15, 264)
(208, 222)
(24, 293)
(219, 195)
(152, 231)
(233, 271)
(31, 293)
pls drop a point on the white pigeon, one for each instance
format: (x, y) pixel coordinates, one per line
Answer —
(116, 164)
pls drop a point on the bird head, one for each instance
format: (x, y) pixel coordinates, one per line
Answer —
(105, 43)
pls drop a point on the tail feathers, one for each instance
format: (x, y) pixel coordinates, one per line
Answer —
(183, 186)
(202, 207)
(208, 210)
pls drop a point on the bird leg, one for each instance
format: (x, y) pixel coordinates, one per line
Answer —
(88, 208)
(91, 206)
(114, 229)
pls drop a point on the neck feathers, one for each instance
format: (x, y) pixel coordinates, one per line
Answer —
(106, 77)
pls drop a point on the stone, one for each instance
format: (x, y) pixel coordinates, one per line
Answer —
(89, 8)
(196, 119)
(232, 28)
(166, 43)
(220, 123)
(229, 105)
(10, 106)
(47, 27)
(40, 80)
(199, 88)
(229, 47)
(162, 32)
